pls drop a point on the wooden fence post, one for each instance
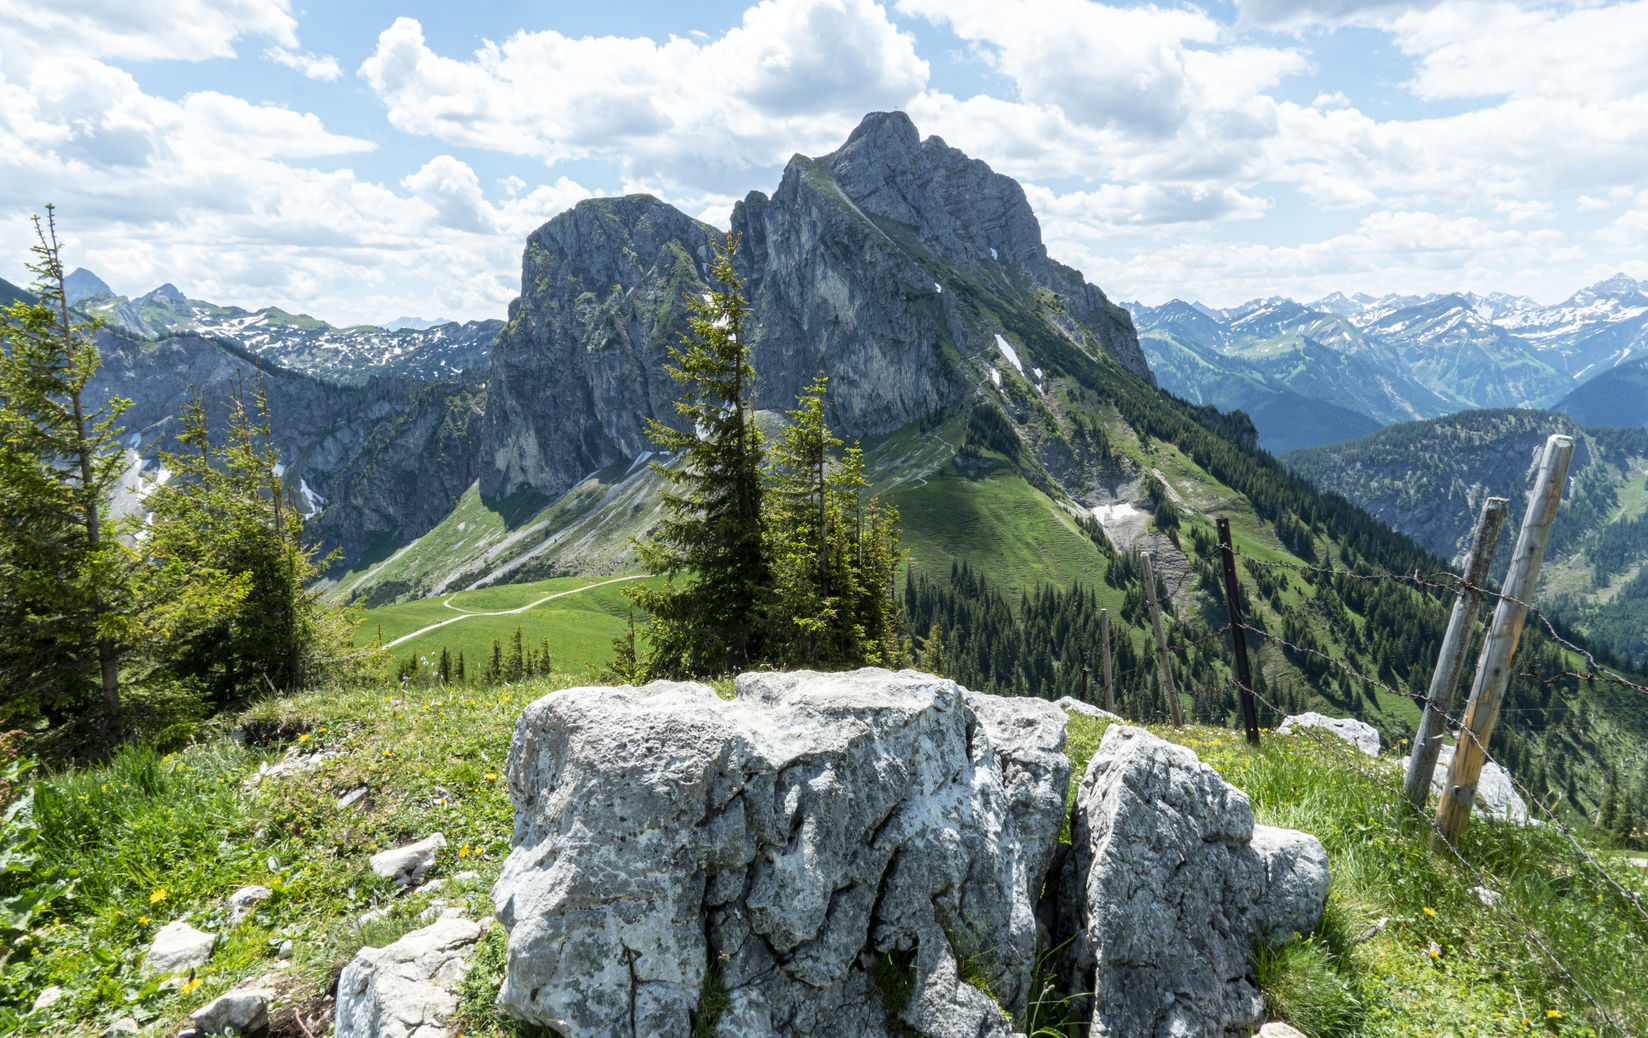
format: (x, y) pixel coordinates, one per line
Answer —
(1175, 709)
(1493, 669)
(1433, 727)
(1104, 650)
(1238, 634)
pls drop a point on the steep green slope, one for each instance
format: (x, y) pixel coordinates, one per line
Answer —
(1428, 479)
(1618, 396)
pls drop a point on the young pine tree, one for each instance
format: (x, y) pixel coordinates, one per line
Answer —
(62, 572)
(706, 620)
(515, 662)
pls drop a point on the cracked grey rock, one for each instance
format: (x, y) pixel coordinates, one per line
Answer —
(1360, 734)
(408, 989)
(1168, 885)
(791, 836)
(243, 1011)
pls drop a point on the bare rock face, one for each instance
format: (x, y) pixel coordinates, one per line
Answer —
(1168, 884)
(790, 846)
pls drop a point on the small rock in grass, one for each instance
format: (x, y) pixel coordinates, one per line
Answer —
(1360, 734)
(48, 998)
(285, 951)
(350, 797)
(1071, 705)
(244, 902)
(432, 887)
(1371, 932)
(1488, 897)
(1277, 1029)
(246, 1010)
(407, 864)
(124, 1026)
(178, 946)
(467, 874)
(374, 915)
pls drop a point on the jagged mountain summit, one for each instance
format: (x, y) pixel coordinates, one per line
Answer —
(846, 268)
(1342, 366)
(297, 342)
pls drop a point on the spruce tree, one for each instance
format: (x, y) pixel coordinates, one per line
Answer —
(707, 619)
(61, 567)
(225, 581)
(515, 662)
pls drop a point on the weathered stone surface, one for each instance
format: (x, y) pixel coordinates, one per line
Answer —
(1277, 1029)
(124, 1026)
(245, 1010)
(1071, 705)
(408, 989)
(1496, 795)
(1167, 886)
(47, 998)
(1360, 734)
(790, 836)
(408, 864)
(243, 902)
(293, 763)
(178, 946)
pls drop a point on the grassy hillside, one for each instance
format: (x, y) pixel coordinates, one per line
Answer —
(576, 617)
(155, 838)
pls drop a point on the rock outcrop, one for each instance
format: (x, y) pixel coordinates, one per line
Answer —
(803, 848)
(408, 989)
(1168, 885)
(1359, 734)
(178, 946)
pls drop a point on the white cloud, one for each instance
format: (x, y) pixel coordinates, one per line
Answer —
(182, 30)
(794, 75)
(325, 67)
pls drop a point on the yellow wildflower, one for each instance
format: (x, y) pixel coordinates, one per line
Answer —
(1551, 1014)
(189, 985)
(304, 737)
(1430, 911)
(158, 896)
(143, 919)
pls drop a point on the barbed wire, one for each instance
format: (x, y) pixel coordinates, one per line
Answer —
(1453, 584)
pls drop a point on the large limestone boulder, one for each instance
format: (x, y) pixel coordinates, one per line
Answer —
(815, 829)
(1359, 734)
(408, 989)
(1168, 884)
(1496, 795)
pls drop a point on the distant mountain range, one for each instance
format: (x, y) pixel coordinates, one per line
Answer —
(1343, 366)
(406, 346)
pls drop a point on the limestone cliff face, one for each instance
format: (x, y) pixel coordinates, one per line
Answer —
(580, 364)
(849, 263)
(888, 264)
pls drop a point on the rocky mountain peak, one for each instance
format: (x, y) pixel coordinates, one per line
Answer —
(971, 213)
(82, 283)
(167, 293)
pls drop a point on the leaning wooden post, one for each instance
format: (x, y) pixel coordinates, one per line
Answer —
(1433, 727)
(1173, 705)
(1104, 651)
(1238, 634)
(1493, 669)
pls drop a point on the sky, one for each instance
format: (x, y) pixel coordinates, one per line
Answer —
(363, 161)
